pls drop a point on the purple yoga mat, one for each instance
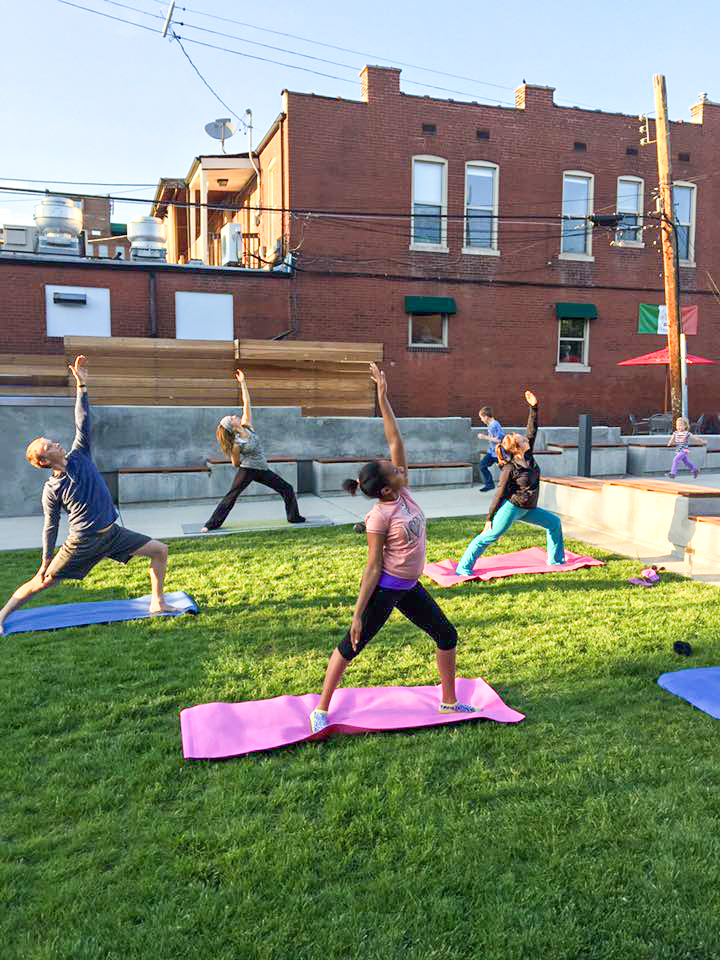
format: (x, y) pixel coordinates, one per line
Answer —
(214, 731)
(530, 560)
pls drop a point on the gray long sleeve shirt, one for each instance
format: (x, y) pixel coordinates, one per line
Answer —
(79, 488)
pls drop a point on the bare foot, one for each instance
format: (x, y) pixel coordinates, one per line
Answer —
(161, 607)
(204, 530)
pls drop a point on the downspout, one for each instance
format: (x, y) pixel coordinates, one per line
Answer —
(249, 124)
(152, 304)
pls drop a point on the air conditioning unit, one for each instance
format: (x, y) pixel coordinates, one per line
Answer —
(231, 247)
(20, 239)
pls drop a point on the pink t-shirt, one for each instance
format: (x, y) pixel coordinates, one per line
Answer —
(402, 523)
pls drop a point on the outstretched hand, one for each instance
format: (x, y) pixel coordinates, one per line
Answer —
(531, 398)
(79, 370)
(240, 376)
(378, 376)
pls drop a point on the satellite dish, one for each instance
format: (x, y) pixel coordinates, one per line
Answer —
(220, 130)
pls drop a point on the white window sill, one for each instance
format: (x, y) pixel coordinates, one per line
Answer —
(629, 244)
(582, 257)
(687, 263)
(572, 368)
(429, 247)
(481, 251)
(427, 346)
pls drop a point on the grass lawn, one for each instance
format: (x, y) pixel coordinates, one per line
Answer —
(588, 831)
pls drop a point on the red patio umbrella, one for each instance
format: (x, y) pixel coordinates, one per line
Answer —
(659, 358)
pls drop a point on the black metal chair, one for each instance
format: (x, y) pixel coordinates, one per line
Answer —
(639, 425)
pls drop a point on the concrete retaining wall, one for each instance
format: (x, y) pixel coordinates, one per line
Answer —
(182, 436)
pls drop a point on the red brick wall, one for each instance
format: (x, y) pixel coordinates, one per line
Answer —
(356, 156)
(261, 304)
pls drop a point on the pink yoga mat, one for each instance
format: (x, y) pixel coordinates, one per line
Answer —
(214, 731)
(532, 560)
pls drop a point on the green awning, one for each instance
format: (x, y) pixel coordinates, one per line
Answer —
(118, 229)
(570, 310)
(430, 305)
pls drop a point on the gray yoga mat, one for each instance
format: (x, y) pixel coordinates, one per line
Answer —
(250, 526)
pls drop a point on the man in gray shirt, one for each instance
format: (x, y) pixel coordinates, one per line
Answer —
(76, 485)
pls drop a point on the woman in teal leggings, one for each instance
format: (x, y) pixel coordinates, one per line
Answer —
(516, 497)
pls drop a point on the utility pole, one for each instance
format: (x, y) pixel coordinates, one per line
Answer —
(669, 244)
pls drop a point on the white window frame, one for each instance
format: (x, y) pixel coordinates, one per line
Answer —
(428, 346)
(583, 367)
(492, 250)
(568, 255)
(690, 262)
(637, 244)
(441, 247)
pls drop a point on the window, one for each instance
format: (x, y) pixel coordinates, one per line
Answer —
(573, 343)
(103, 250)
(684, 210)
(630, 205)
(427, 330)
(481, 200)
(577, 205)
(429, 203)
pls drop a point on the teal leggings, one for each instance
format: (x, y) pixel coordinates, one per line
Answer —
(502, 521)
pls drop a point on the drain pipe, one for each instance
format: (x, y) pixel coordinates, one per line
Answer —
(249, 125)
(152, 304)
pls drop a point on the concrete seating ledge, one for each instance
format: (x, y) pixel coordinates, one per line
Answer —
(328, 475)
(673, 517)
(210, 480)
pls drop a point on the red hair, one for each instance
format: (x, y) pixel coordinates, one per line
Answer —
(508, 448)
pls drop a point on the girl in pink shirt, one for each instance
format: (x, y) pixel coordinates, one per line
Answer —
(396, 556)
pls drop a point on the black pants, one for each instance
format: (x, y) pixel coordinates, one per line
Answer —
(416, 604)
(243, 478)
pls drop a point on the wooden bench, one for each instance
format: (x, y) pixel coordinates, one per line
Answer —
(582, 483)
(673, 487)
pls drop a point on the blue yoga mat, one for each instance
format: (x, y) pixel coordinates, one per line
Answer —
(700, 686)
(61, 615)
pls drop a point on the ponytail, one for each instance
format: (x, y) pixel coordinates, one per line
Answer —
(371, 480)
(226, 441)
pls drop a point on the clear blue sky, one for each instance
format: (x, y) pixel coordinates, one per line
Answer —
(97, 100)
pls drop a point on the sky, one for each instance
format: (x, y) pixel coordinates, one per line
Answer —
(98, 100)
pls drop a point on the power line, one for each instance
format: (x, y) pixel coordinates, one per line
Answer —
(78, 183)
(213, 92)
(332, 46)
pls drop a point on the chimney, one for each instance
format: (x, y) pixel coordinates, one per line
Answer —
(530, 95)
(379, 83)
(705, 110)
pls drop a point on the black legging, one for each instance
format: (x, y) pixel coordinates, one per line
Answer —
(416, 604)
(243, 478)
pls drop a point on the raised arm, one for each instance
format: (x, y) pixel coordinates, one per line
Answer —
(82, 410)
(392, 431)
(51, 513)
(532, 423)
(247, 408)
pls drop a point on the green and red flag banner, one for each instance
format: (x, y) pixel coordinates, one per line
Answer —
(652, 318)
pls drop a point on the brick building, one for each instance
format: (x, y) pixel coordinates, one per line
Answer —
(434, 226)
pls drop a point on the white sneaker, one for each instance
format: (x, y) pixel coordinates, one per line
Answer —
(319, 720)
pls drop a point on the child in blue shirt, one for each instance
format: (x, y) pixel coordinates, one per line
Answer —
(494, 435)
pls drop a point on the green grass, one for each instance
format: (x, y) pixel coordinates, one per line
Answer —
(589, 831)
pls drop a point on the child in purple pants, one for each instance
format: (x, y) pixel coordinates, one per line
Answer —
(681, 440)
